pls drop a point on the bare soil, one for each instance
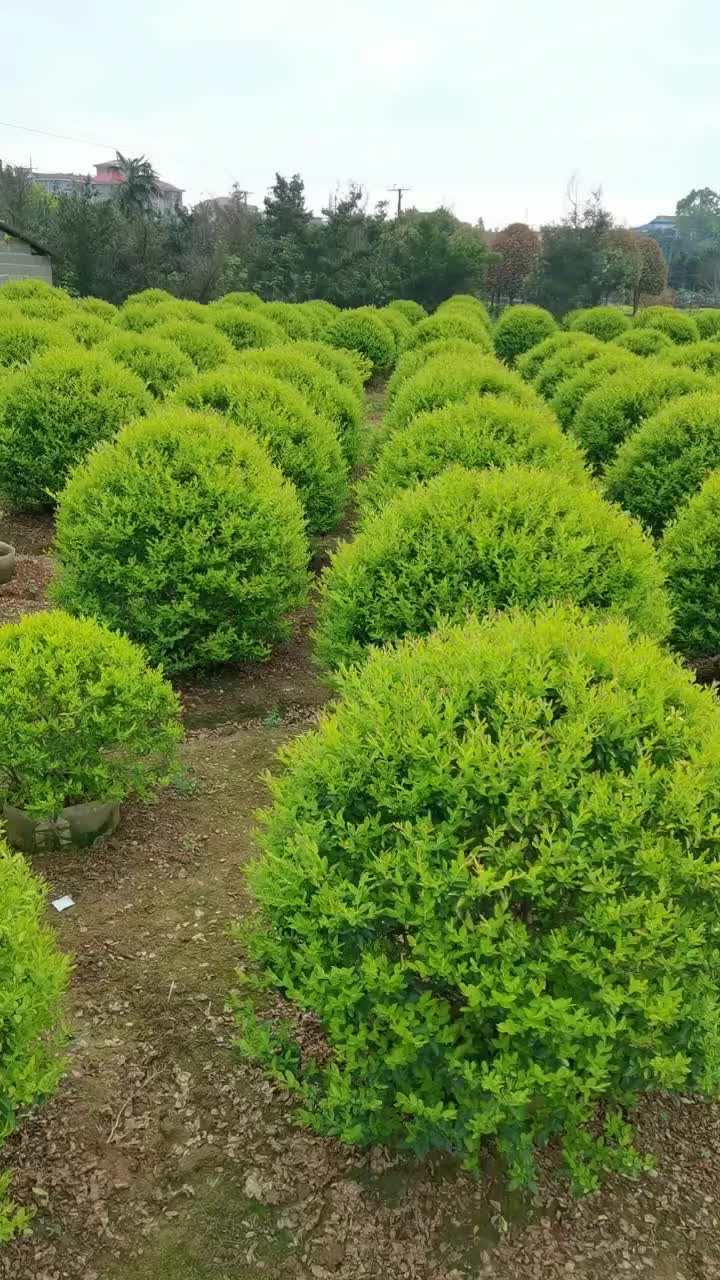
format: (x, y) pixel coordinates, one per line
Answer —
(165, 1156)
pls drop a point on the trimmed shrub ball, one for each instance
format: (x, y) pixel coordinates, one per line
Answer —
(302, 444)
(566, 363)
(450, 379)
(489, 878)
(317, 386)
(605, 323)
(204, 345)
(365, 331)
(678, 326)
(572, 391)
(82, 716)
(37, 300)
(320, 314)
(701, 356)
(399, 324)
(53, 412)
(160, 364)
(474, 541)
(33, 979)
(453, 323)
(139, 316)
(350, 368)
(481, 432)
(149, 298)
(409, 308)
(690, 553)
(615, 409)
(182, 533)
(530, 364)
(248, 327)
(519, 329)
(21, 340)
(707, 321)
(645, 342)
(416, 357)
(97, 307)
(667, 459)
(465, 302)
(238, 298)
(87, 330)
(182, 309)
(293, 322)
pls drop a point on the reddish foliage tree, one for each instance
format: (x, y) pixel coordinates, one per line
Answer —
(517, 248)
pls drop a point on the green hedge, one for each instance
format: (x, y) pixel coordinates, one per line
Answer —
(615, 409)
(305, 446)
(678, 325)
(183, 534)
(520, 328)
(667, 459)
(33, 978)
(490, 879)
(82, 716)
(54, 411)
(481, 432)
(474, 541)
(690, 553)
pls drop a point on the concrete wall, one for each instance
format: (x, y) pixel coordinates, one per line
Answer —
(19, 262)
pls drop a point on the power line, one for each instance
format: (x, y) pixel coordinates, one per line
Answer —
(62, 137)
(400, 192)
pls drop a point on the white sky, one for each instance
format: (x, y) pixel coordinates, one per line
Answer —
(488, 106)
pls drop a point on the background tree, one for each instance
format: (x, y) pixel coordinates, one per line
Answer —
(139, 184)
(516, 249)
(653, 274)
(428, 257)
(281, 268)
(580, 264)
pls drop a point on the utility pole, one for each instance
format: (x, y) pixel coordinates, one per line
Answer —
(400, 193)
(242, 193)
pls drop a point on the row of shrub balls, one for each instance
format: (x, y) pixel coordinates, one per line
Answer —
(492, 872)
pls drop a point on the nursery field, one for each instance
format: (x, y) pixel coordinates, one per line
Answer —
(449, 581)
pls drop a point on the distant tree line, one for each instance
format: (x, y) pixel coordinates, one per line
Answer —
(353, 254)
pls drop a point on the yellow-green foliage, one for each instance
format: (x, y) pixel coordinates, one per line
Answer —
(708, 322)
(616, 408)
(678, 325)
(565, 363)
(450, 379)
(183, 534)
(22, 339)
(205, 346)
(690, 552)
(410, 309)
(530, 364)
(490, 877)
(82, 716)
(605, 323)
(520, 328)
(364, 330)
(571, 393)
(645, 342)
(667, 459)
(474, 541)
(703, 356)
(248, 327)
(86, 329)
(480, 432)
(320, 390)
(291, 319)
(455, 322)
(36, 299)
(304, 445)
(415, 357)
(33, 978)
(158, 363)
(53, 411)
(349, 367)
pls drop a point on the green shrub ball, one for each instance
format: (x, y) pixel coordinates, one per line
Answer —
(690, 553)
(247, 327)
(565, 363)
(291, 319)
(82, 716)
(519, 329)
(201, 343)
(305, 446)
(571, 392)
(33, 979)
(490, 877)
(616, 408)
(183, 534)
(158, 363)
(410, 309)
(667, 459)
(21, 339)
(605, 323)
(55, 410)
(678, 325)
(474, 541)
(645, 342)
(456, 322)
(530, 364)
(449, 379)
(364, 330)
(481, 432)
(701, 356)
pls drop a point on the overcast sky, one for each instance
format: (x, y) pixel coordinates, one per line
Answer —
(487, 106)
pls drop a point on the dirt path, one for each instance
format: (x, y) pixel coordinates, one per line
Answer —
(166, 1157)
